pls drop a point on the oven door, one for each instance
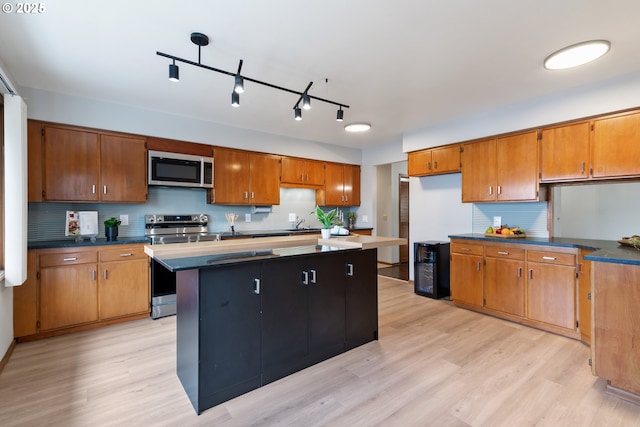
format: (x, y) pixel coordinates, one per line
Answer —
(163, 291)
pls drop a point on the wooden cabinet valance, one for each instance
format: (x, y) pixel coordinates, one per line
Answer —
(434, 161)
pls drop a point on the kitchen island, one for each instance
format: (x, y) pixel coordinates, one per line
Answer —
(253, 311)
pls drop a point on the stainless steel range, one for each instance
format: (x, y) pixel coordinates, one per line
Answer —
(166, 229)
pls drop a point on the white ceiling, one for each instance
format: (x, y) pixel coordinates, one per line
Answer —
(401, 65)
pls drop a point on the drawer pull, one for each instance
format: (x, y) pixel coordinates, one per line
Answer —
(305, 278)
(519, 271)
(503, 253)
(256, 288)
(465, 249)
(349, 269)
(550, 258)
(93, 275)
(104, 274)
(129, 254)
(530, 274)
(75, 258)
(313, 276)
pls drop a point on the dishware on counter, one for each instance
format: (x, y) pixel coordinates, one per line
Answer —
(231, 219)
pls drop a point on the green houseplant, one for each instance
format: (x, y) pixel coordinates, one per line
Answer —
(327, 219)
(111, 228)
(351, 219)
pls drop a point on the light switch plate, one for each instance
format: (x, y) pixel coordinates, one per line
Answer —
(124, 219)
(292, 217)
(497, 221)
(365, 218)
(247, 217)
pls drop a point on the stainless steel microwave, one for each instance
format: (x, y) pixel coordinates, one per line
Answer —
(180, 170)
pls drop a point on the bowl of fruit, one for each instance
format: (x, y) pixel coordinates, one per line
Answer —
(505, 232)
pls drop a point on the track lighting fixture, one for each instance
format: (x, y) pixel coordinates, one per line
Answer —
(200, 40)
(340, 115)
(174, 72)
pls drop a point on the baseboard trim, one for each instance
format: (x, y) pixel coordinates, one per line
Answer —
(7, 355)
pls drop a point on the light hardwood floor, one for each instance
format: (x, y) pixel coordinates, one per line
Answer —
(434, 365)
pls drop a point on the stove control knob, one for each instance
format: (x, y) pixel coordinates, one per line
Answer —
(150, 219)
(203, 218)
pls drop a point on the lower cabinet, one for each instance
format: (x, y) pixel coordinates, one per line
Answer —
(73, 288)
(241, 326)
(529, 284)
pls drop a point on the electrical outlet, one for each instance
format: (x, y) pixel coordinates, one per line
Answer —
(497, 221)
(247, 217)
(124, 219)
(292, 217)
(365, 218)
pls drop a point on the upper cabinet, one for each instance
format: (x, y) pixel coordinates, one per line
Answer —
(564, 153)
(303, 173)
(501, 169)
(615, 146)
(435, 161)
(245, 178)
(342, 186)
(74, 164)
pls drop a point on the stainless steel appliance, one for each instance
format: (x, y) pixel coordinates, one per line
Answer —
(431, 269)
(181, 170)
(167, 229)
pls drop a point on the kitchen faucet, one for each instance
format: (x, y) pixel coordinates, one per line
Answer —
(299, 222)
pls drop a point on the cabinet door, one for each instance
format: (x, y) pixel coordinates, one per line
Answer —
(616, 146)
(466, 278)
(284, 318)
(419, 163)
(124, 288)
(25, 301)
(564, 153)
(584, 296)
(293, 170)
(446, 159)
(552, 294)
(361, 297)
(71, 164)
(479, 171)
(517, 167)
(34, 156)
(68, 296)
(123, 169)
(265, 179)
(230, 321)
(334, 185)
(351, 185)
(314, 172)
(231, 176)
(504, 286)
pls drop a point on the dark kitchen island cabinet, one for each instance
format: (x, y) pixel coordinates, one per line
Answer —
(247, 319)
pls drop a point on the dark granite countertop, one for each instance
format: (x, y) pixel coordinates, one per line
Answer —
(604, 250)
(204, 261)
(71, 243)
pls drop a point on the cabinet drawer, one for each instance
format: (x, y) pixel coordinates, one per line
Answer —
(499, 252)
(551, 257)
(68, 258)
(465, 248)
(122, 253)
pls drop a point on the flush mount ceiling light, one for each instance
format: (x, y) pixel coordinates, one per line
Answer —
(200, 40)
(357, 127)
(577, 54)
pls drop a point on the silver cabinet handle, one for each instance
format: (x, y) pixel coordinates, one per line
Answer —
(435, 165)
(465, 249)
(93, 275)
(104, 274)
(246, 194)
(70, 259)
(104, 189)
(349, 269)
(490, 190)
(256, 286)
(550, 258)
(313, 276)
(305, 277)
(478, 266)
(581, 168)
(503, 253)
(429, 165)
(499, 189)
(519, 271)
(129, 254)
(93, 189)
(252, 195)
(530, 274)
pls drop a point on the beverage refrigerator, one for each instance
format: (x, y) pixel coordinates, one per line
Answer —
(431, 269)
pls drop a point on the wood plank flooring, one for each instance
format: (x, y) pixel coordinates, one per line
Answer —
(434, 365)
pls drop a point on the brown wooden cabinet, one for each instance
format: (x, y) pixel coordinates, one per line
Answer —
(434, 161)
(245, 178)
(467, 273)
(70, 289)
(501, 169)
(341, 186)
(504, 280)
(565, 153)
(584, 296)
(86, 165)
(304, 173)
(615, 146)
(35, 136)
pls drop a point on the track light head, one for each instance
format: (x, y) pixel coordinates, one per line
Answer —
(174, 72)
(340, 115)
(306, 101)
(235, 99)
(238, 87)
(297, 113)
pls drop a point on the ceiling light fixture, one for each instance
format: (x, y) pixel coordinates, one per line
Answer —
(200, 40)
(340, 115)
(174, 72)
(357, 127)
(577, 54)
(297, 114)
(235, 99)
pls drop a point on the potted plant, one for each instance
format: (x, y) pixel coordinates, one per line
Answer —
(351, 220)
(111, 228)
(327, 220)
